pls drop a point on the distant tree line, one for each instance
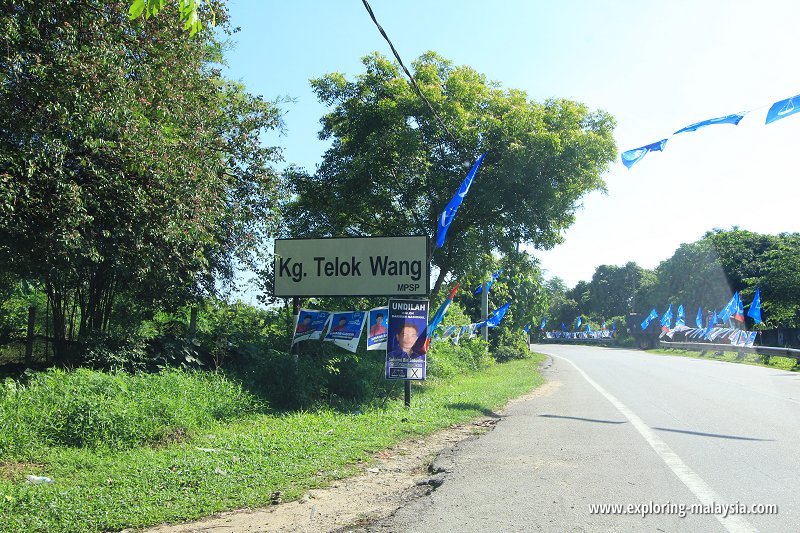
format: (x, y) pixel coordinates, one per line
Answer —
(703, 274)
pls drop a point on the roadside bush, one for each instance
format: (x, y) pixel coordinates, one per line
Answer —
(86, 408)
(510, 344)
(446, 359)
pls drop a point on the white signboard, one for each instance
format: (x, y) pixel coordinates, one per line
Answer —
(360, 266)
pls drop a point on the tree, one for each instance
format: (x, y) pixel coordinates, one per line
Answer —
(780, 283)
(391, 167)
(613, 288)
(127, 162)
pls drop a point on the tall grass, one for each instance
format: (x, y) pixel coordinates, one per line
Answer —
(86, 408)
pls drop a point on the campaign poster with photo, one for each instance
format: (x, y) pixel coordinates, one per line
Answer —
(377, 331)
(310, 325)
(346, 328)
(406, 350)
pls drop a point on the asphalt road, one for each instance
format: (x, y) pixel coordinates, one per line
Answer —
(633, 429)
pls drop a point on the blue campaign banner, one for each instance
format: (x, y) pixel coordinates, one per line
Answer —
(346, 329)
(377, 331)
(310, 325)
(407, 331)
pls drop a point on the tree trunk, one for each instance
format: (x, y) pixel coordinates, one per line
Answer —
(437, 285)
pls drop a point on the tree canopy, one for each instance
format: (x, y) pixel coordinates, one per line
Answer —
(127, 162)
(391, 168)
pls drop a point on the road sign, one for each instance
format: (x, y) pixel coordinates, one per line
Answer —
(359, 266)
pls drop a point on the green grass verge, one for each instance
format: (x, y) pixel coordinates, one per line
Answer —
(772, 361)
(236, 463)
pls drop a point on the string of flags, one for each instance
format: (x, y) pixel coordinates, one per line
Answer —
(778, 110)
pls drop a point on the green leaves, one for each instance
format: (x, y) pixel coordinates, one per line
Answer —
(392, 168)
(129, 163)
(188, 9)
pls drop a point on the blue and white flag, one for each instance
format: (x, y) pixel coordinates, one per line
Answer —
(728, 119)
(681, 320)
(652, 316)
(542, 325)
(631, 157)
(489, 283)
(783, 109)
(699, 318)
(449, 213)
(578, 322)
(755, 308)
(497, 315)
(563, 327)
(666, 319)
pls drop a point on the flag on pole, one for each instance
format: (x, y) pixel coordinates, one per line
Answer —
(497, 315)
(681, 320)
(544, 321)
(490, 282)
(755, 308)
(666, 319)
(699, 318)
(578, 322)
(437, 318)
(738, 312)
(563, 327)
(652, 316)
(449, 213)
(730, 307)
(527, 327)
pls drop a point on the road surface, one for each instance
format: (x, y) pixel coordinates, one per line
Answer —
(655, 434)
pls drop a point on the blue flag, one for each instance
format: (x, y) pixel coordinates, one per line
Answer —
(755, 308)
(497, 315)
(699, 318)
(563, 327)
(544, 321)
(728, 119)
(588, 328)
(652, 316)
(681, 320)
(578, 322)
(631, 157)
(489, 283)
(613, 326)
(783, 109)
(527, 327)
(449, 213)
(730, 308)
(666, 319)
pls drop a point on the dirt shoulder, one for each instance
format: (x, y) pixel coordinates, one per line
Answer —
(406, 471)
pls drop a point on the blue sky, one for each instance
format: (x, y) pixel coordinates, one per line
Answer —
(655, 66)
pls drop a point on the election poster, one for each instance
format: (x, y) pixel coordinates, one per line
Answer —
(376, 329)
(406, 350)
(310, 325)
(346, 328)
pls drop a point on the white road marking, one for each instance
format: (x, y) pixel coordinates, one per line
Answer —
(701, 489)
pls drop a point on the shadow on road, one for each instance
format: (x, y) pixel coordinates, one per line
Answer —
(586, 419)
(715, 435)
